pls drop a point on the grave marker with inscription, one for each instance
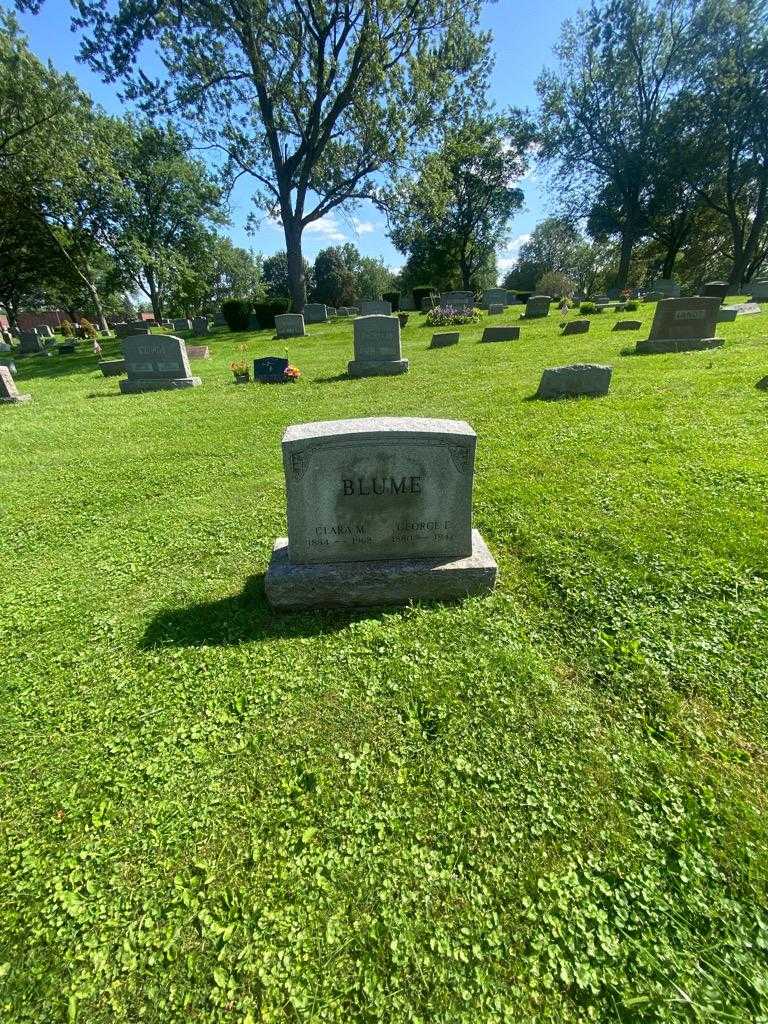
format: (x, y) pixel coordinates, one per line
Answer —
(576, 327)
(270, 370)
(759, 290)
(30, 342)
(501, 334)
(444, 339)
(156, 362)
(315, 313)
(458, 299)
(9, 393)
(375, 307)
(681, 325)
(377, 347)
(289, 325)
(379, 512)
(200, 326)
(494, 297)
(537, 306)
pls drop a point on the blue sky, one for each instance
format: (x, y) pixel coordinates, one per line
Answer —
(524, 34)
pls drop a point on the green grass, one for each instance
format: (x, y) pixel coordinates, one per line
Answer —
(545, 805)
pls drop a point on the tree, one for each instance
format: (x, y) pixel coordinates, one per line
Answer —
(277, 276)
(463, 195)
(28, 262)
(307, 97)
(373, 278)
(168, 200)
(336, 273)
(603, 111)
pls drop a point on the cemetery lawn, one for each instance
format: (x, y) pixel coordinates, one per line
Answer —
(544, 805)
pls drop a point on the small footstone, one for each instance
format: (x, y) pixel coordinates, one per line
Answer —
(762, 384)
(592, 379)
(501, 334)
(627, 325)
(112, 367)
(576, 327)
(727, 316)
(442, 340)
(496, 309)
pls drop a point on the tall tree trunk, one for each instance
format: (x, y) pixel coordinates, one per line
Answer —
(12, 313)
(668, 266)
(96, 300)
(625, 260)
(154, 297)
(296, 282)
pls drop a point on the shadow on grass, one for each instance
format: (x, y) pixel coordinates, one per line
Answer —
(331, 380)
(242, 618)
(34, 366)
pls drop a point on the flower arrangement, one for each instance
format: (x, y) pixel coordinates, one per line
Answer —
(292, 372)
(89, 331)
(447, 316)
(240, 367)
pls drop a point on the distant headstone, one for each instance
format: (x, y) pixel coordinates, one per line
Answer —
(496, 309)
(200, 326)
(44, 331)
(29, 342)
(342, 311)
(131, 330)
(377, 347)
(379, 512)
(494, 297)
(444, 339)
(289, 325)
(718, 289)
(654, 296)
(112, 367)
(627, 325)
(182, 325)
(331, 311)
(156, 362)
(429, 302)
(501, 334)
(375, 308)
(315, 313)
(762, 384)
(458, 299)
(407, 304)
(576, 327)
(681, 325)
(537, 306)
(5, 346)
(9, 393)
(603, 299)
(727, 316)
(10, 364)
(743, 308)
(219, 320)
(759, 290)
(198, 352)
(7, 337)
(270, 370)
(669, 289)
(591, 379)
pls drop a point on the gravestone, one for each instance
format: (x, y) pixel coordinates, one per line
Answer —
(130, 330)
(444, 339)
(762, 384)
(407, 304)
(669, 289)
(200, 326)
(10, 364)
(331, 311)
(718, 289)
(9, 393)
(727, 316)
(501, 334)
(681, 325)
(375, 308)
(603, 299)
(270, 370)
(627, 325)
(44, 331)
(289, 325)
(379, 512)
(537, 306)
(156, 362)
(315, 313)
(112, 367)
(458, 299)
(759, 290)
(429, 302)
(5, 346)
(219, 320)
(494, 297)
(342, 311)
(29, 342)
(654, 296)
(198, 352)
(592, 379)
(496, 309)
(576, 327)
(377, 347)
(182, 325)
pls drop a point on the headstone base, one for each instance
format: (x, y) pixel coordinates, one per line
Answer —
(390, 368)
(660, 345)
(367, 584)
(112, 367)
(134, 387)
(16, 399)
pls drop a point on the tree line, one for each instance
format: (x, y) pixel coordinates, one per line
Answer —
(653, 125)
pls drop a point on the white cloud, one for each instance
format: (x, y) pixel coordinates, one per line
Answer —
(328, 228)
(507, 257)
(363, 227)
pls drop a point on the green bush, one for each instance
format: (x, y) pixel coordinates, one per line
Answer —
(236, 313)
(265, 312)
(631, 304)
(524, 296)
(420, 293)
(393, 298)
(590, 307)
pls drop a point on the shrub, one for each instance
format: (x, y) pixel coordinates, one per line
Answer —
(590, 307)
(88, 328)
(448, 316)
(555, 284)
(393, 298)
(236, 313)
(66, 328)
(631, 304)
(419, 294)
(265, 312)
